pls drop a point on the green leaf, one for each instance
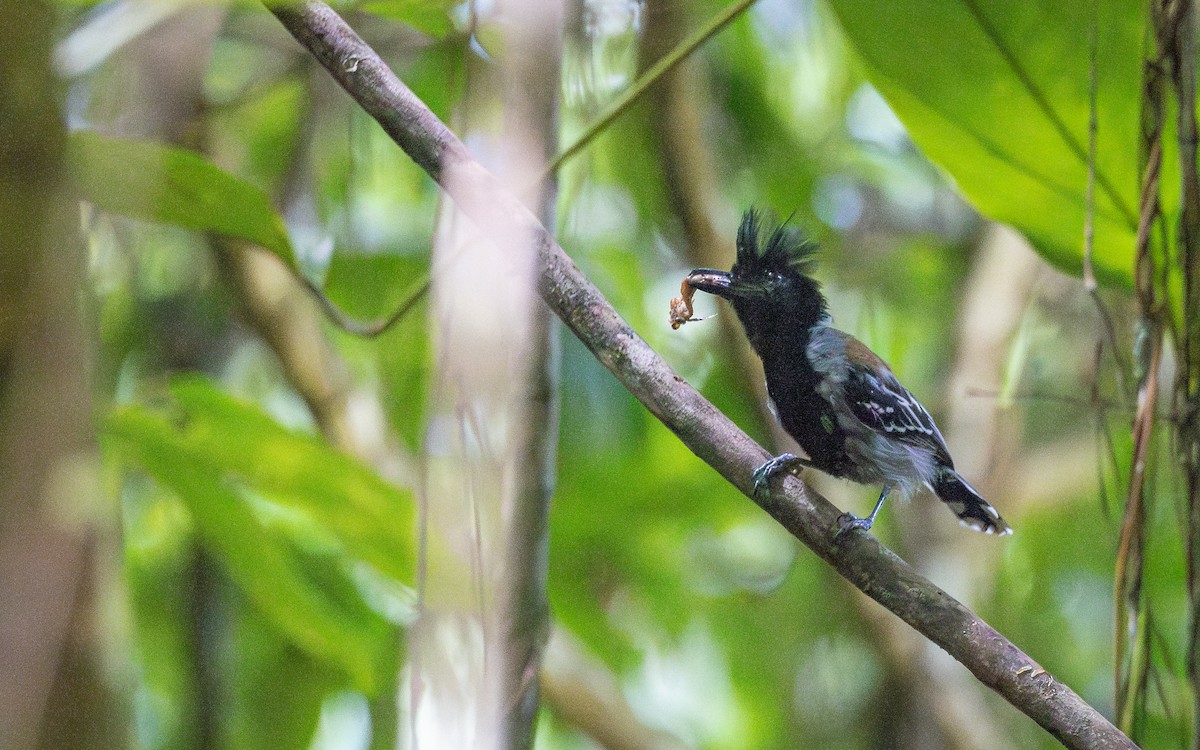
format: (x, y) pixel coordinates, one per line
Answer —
(370, 286)
(373, 285)
(153, 182)
(431, 17)
(304, 590)
(278, 691)
(438, 75)
(372, 519)
(997, 94)
(156, 571)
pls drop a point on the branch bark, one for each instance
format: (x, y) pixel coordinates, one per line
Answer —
(584, 693)
(709, 434)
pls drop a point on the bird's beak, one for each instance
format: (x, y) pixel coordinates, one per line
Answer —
(712, 281)
(722, 284)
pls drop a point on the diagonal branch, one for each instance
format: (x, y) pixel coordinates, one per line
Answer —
(706, 431)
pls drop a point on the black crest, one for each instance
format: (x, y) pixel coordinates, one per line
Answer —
(763, 246)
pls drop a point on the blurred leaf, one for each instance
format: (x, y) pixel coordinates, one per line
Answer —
(157, 559)
(1015, 138)
(308, 595)
(371, 518)
(150, 181)
(430, 17)
(625, 154)
(439, 75)
(374, 285)
(258, 136)
(633, 547)
(762, 140)
(278, 689)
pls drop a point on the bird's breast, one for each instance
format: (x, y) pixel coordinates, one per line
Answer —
(803, 407)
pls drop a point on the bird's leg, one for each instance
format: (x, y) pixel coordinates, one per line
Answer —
(784, 462)
(848, 521)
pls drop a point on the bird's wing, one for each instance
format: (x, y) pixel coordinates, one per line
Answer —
(879, 401)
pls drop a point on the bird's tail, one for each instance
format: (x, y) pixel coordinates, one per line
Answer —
(967, 504)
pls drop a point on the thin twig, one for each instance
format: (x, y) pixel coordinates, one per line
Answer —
(1129, 616)
(366, 329)
(1127, 581)
(619, 105)
(1089, 200)
(861, 559)
(1175, 31)
(1089, 203)
(1061, 398)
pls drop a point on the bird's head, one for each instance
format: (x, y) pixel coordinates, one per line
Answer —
(769, 282)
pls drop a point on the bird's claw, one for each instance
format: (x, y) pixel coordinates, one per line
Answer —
(763, 474)
(848, 522)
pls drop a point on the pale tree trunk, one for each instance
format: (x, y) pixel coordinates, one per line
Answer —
(492, 431)
(54, 689)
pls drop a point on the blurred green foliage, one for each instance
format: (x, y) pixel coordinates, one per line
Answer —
(999, 96)
(290, 522)
(174, 186)
(271, 577)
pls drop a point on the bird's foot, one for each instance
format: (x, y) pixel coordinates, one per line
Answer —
(782, 463)
(848, 523)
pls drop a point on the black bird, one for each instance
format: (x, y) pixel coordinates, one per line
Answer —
(835, 396)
